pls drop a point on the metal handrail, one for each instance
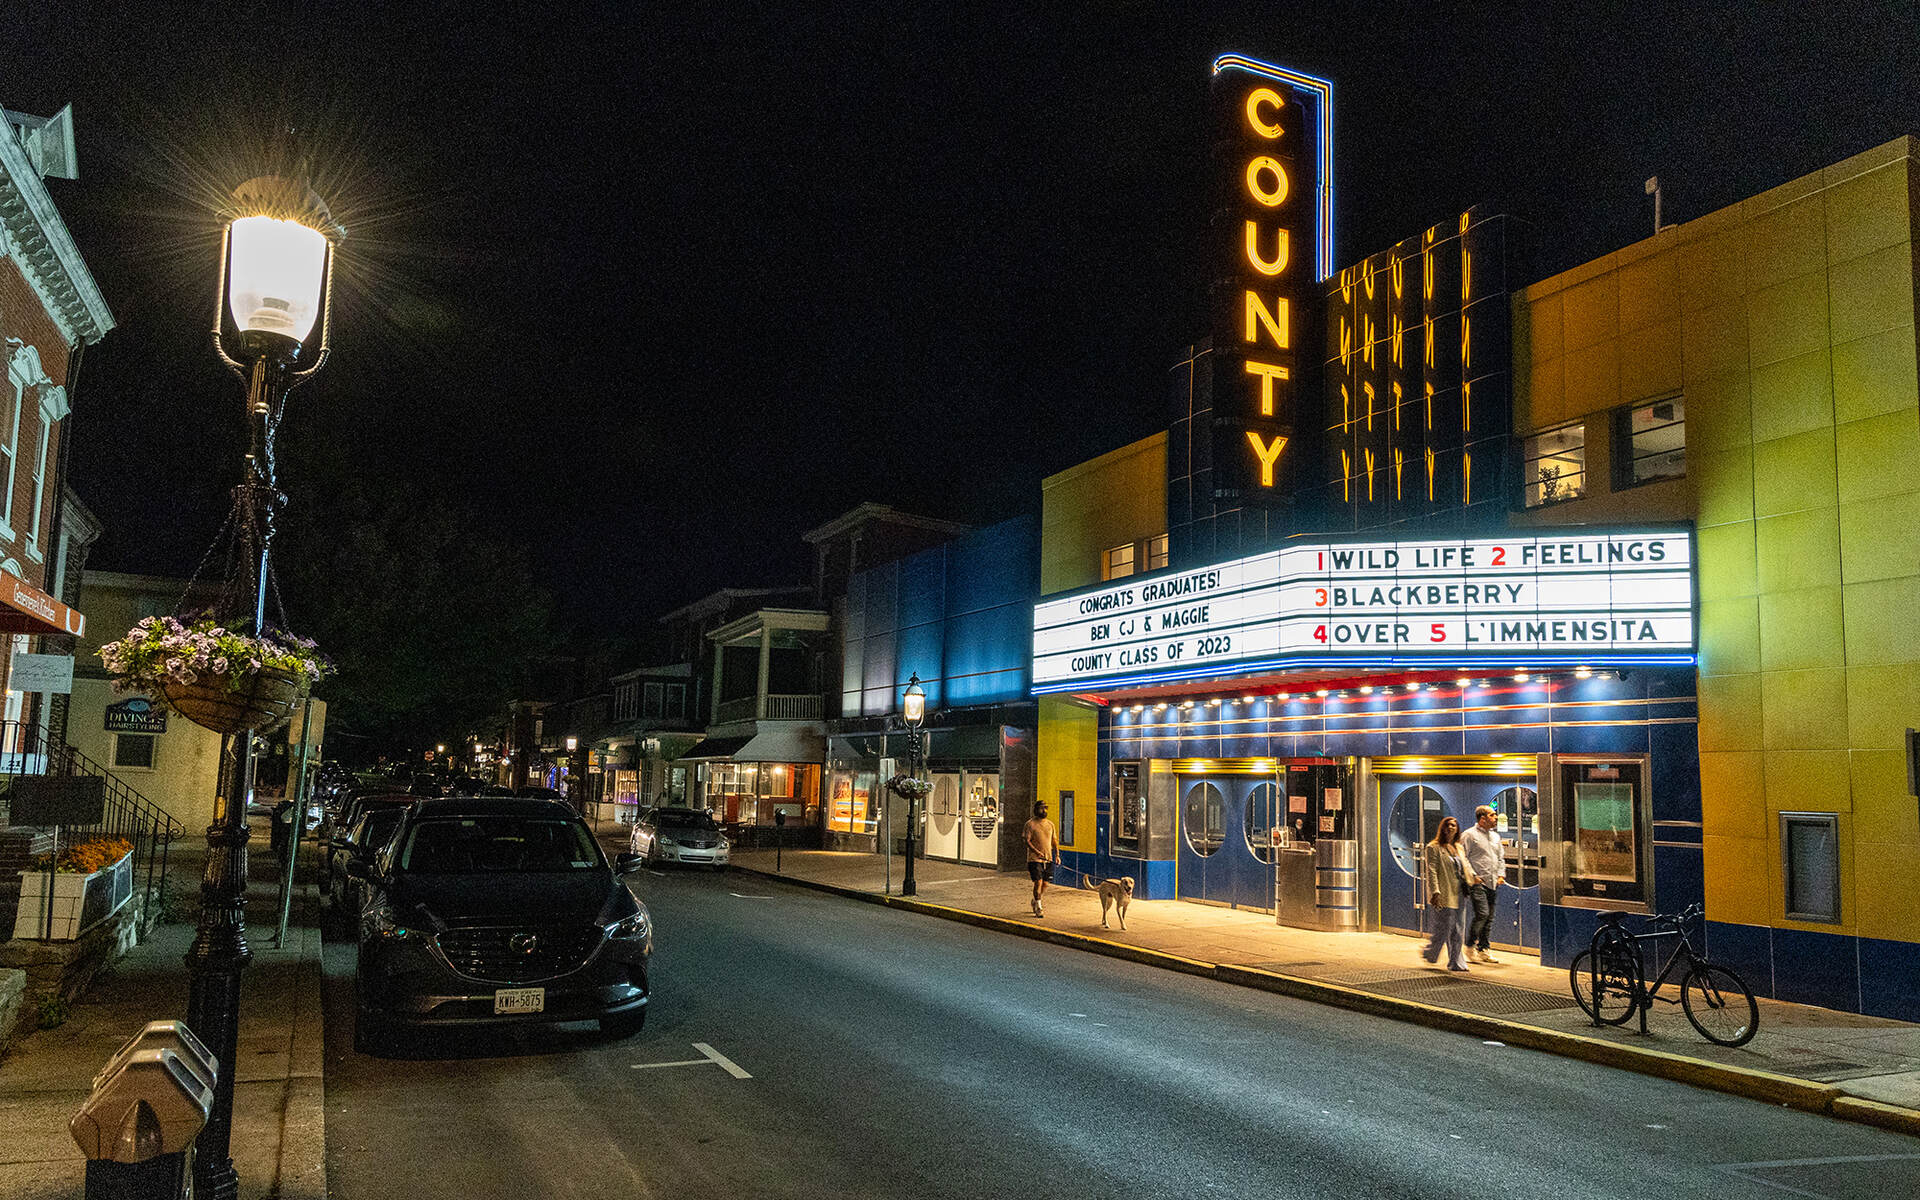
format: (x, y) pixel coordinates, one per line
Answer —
(126, 813)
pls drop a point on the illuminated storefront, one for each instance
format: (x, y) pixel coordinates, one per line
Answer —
(1687, 678)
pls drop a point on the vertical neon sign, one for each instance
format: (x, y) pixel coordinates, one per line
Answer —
(1274, 233)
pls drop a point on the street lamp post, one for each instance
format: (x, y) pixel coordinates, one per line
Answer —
(914, 713)
(271, 328)
(574, 778)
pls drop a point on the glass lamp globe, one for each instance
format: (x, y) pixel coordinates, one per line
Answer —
(278, 268)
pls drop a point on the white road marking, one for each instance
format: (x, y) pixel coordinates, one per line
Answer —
(1076, 1014)
(661, 874)
(732, 1068)
(1493, 1043)
(712, 1058)
(739, 896)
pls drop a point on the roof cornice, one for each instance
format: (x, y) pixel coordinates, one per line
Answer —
(36, 239)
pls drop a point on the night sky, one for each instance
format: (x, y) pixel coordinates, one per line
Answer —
(651, 289)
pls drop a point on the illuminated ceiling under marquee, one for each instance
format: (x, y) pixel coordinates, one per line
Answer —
(1611, 597)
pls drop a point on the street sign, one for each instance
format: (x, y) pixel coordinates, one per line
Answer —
(49, 674)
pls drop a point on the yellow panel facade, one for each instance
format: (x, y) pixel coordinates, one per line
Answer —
(1086, 509)
(1115, 499)
(1069, 762)
(1795, 354)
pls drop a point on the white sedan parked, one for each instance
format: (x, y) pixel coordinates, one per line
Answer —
(680, 835)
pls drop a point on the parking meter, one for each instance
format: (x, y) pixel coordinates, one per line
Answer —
(148, 1105)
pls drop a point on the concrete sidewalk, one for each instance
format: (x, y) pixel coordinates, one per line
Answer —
(279, 1131)
(1870, 1058)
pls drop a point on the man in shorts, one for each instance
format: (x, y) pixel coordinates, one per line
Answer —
(1043, 850)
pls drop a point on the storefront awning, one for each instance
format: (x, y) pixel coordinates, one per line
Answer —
(724, 747)
(784, 744)
(26, 609)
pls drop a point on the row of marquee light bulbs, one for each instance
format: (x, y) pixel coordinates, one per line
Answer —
(1464, 683)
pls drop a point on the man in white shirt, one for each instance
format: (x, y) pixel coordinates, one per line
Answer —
(1487, 859)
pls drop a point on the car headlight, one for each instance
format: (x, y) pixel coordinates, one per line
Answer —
(639, 925)
(381, 923)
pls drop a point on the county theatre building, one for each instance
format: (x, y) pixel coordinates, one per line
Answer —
(1629, 555)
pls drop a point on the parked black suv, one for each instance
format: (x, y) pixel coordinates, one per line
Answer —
(491, 910)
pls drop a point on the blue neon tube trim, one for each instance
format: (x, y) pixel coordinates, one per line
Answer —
(1323, 252)
(1383, 662)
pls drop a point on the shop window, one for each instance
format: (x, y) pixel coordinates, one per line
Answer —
(1118, 562)
(1650, 442)
(1810, 866)
(1129, 810)
(133, 751)
(1266, 816)
(1411, 823)
(1157, 553)
(1605, 853)
(1206, 819)
(1554, 465)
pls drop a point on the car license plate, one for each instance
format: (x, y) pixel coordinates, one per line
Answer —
(519, 1000)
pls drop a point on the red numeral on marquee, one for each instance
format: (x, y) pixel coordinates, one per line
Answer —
(1499, 556)
(1321, 559)
(1439, 633)
(1319, 597)
(1319, 633)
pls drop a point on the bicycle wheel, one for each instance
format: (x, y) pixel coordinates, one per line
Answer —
(1606, 995)
(1719, 1005)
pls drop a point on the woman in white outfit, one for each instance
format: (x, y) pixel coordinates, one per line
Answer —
(1448, 878)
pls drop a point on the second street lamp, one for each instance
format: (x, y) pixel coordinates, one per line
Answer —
(271, 327)
(914, 713)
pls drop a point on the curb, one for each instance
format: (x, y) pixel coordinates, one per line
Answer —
(1767, 1086)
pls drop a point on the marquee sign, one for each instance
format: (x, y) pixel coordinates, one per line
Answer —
(1592, 598)
(1273, 234)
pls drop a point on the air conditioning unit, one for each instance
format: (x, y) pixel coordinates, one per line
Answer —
(48, 142)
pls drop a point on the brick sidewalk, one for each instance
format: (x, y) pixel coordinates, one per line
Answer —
(1869, 1057)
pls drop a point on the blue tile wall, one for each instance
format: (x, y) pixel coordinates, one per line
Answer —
(1816, 968)
(1748, 949)
(1889, 978)
(1678, 877)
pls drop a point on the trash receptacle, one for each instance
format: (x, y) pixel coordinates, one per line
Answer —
(148, 1104)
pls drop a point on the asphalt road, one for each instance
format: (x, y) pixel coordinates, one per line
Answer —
(893, 1055)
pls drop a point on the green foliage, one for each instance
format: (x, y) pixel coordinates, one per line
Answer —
(429, 618)
(54, 1011)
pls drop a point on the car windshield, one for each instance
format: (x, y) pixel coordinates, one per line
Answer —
(377, 826)
(498, 844)
(691, 818)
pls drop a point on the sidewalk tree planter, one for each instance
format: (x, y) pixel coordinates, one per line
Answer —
(87, 887)
(218, 678)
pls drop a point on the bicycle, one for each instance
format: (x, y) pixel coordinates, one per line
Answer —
(1610, 985)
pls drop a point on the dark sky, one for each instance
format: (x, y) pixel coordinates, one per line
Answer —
(653, 288)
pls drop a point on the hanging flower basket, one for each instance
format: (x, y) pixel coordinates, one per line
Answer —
(215, 677)
(261, 700)
(909, 787)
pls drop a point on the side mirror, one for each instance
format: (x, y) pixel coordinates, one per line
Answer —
(627, 864)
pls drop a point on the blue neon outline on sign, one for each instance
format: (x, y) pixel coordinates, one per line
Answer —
(1323, 88)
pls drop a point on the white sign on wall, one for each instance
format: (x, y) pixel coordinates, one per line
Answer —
(1592, 598)
(50, 674)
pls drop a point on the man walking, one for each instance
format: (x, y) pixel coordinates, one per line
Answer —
(1043, 850)
(1488, 861)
